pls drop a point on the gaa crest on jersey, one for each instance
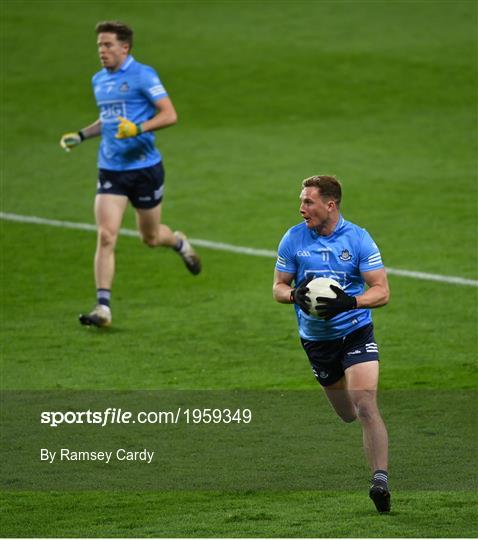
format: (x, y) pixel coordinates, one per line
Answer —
(124, 87)
(345, 255)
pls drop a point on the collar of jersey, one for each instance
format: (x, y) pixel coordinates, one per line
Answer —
(125, 65)
(340, 224)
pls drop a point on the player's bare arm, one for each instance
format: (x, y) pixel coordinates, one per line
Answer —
(165, 117)
(378, 292)
(281, 288)
(93, 130)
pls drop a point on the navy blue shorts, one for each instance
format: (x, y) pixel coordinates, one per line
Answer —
(143, 187)
(330, 359)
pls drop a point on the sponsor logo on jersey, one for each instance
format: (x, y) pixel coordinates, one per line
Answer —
(110, 110)
(124, 87)
(345, 255)
(109, 87)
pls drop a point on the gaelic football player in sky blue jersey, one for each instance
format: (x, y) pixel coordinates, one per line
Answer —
(132, 103)
(340, 344)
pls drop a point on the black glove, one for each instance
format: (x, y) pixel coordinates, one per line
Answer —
(299, 295)
(327, 308)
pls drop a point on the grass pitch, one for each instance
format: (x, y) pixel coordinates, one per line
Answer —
(379, 93)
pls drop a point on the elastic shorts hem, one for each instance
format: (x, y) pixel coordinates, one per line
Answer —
(140, 205)
(146, 205)
(362, 360)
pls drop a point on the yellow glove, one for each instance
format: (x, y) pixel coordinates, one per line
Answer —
(126, 129)
(70, 140)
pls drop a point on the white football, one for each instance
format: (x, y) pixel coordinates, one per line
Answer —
(320, 287)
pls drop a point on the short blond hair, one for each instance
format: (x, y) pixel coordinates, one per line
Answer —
(329, 187)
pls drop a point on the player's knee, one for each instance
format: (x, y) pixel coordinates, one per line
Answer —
(106, 238)
(366, 410)
(151, 240)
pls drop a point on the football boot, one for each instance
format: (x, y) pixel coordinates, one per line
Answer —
(189, 256)
(100, 317)
(380, 495)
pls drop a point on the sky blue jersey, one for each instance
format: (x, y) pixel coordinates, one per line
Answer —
(131, 92)
(342, 256)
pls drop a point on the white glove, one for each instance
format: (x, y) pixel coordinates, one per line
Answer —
(70, 140)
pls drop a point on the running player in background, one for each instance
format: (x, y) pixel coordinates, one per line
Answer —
(340, 345)
(132, 104)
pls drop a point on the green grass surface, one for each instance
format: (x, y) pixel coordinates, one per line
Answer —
(259, 514)
(381, 94)
(156, 302)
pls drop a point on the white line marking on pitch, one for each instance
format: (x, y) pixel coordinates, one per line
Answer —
(456, 280)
